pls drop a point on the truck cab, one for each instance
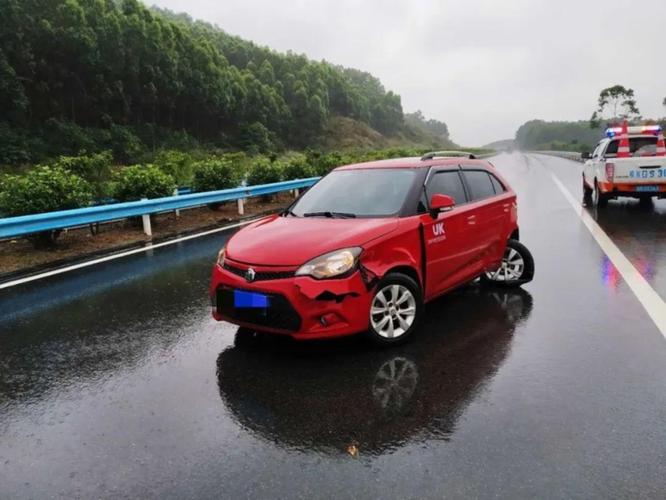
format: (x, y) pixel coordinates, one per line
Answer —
(628, 162)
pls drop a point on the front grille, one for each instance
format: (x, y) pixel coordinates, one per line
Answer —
(279, 314)
(259, 275)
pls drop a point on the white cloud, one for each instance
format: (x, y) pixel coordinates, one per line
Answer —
(483, 66)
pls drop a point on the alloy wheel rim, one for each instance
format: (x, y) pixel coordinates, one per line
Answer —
(511, 269)
(392, 311)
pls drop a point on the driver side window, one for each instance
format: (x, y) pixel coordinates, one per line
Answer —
(447, 182)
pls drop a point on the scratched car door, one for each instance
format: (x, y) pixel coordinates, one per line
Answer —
(449, 242)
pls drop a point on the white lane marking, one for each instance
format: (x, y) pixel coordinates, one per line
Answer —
(653, 304)
(93, 262)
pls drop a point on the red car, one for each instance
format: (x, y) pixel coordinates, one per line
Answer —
(367, 246)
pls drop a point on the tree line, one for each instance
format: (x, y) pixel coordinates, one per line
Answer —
(80, 76)
(614, 105)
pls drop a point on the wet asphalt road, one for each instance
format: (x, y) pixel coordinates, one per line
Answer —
(115, 382)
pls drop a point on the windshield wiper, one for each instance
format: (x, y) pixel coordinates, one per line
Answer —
(286, 212)
(331, 215)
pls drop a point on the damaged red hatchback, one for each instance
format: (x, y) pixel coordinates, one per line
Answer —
(368, 245)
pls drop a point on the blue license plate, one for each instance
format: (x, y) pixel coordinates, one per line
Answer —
(250, 299)
(648, 173)
(647, 189)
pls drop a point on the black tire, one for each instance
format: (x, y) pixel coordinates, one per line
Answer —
(645, 203)
(400, 334)
(599, 199)
(503, 279)
(587, 192)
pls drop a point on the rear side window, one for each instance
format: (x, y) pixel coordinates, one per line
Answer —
(479, 184)
(448, 183)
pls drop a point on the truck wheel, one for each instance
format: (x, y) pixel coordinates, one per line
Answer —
(599, 199)
(587, 192)
(395, 310)
(517, 267)
(645, 202)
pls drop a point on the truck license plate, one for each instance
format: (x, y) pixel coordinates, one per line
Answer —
(647, 189)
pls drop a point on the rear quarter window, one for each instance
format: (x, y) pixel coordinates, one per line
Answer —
(499, 187)
(479, 184)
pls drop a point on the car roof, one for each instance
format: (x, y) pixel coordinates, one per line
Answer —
(415, 162)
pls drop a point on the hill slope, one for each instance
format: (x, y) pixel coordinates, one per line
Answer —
(89, 75)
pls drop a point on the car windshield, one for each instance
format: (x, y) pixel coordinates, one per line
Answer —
(376, 192)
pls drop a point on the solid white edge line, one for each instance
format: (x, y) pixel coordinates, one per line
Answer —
(653, 304)
(93, 262)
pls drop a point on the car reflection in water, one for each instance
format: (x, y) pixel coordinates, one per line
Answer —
(332, 395)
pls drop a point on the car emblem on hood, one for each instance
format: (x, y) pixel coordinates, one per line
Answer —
(249, 275)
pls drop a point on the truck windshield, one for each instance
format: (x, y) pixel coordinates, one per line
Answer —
(376, 192)
(638, 146)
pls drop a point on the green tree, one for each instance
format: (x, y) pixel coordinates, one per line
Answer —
(615, 104)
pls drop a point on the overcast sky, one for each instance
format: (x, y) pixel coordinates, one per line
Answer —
(482, 66)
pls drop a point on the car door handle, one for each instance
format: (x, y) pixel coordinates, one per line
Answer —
(471, 220)
(506, 207)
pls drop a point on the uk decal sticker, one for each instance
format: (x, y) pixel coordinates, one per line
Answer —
(438, 233)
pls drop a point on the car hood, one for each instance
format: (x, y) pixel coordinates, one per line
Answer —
(292, 241)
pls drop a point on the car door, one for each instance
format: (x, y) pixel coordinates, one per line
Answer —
(589, 165)
(491, 214)
(448, 238)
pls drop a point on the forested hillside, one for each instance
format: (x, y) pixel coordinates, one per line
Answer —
(562, 136)
(81, 76)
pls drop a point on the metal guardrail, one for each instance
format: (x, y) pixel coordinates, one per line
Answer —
(27, 224)
(568, 155)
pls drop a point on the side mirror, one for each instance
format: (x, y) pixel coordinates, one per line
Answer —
(586, 155)
(440, 203)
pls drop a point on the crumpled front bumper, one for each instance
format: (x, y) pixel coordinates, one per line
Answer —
(325, 308)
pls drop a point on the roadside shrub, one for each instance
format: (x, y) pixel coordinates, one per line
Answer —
(240, 161)
(177, 164)
(143, 181)
(297, 167)
(43, 189)
(95, 168)
(324, 163)
(263, 171)
(214, 174)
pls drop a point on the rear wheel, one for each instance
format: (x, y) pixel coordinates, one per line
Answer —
(599, 199)
(395, 310)
(587, 191)
(517, 267)
(645, 202)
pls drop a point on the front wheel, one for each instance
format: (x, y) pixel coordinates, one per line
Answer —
(395, 310)
(517, 267)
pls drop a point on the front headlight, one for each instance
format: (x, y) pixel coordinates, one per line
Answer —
(220, 257)
(331, 264)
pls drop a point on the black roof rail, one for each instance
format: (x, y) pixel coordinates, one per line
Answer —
(435, 154)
